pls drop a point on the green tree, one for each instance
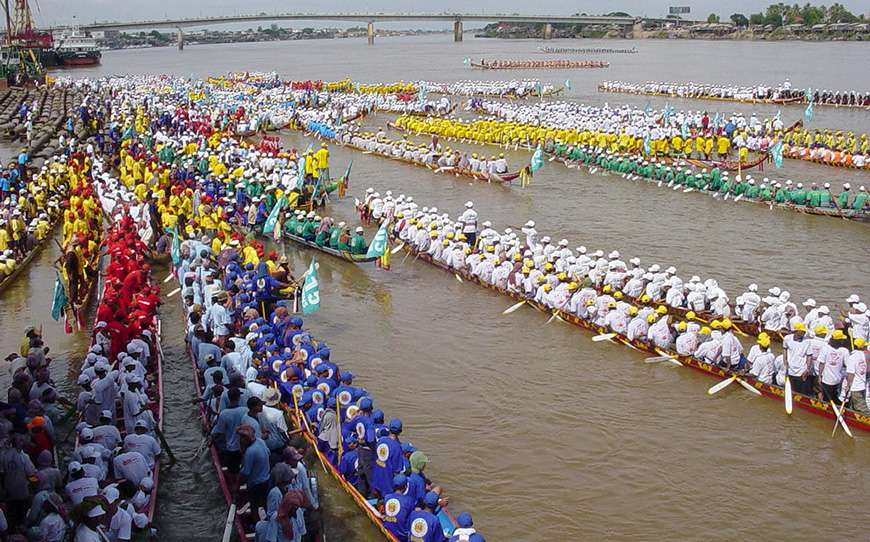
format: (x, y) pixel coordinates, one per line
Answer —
(739, 20)
(774, 14)
(712, 18)
(838, 13)
(813, 15)
(756, 19)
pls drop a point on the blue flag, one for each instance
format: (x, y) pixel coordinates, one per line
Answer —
(537, 160)
(269, 226)
(668, 111)
(300, 173)
(716, 120)
(808, 113)
(568, 84)
(778, 115)
(647, 145)
(466, 61)
(59, 300)
(776, 153)
(684, 130)
(648, 108)
(311, 290)
(379, 243)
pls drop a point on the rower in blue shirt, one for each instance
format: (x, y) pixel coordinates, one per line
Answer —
(224, 433)
(423, 524)
(350, 461)
(398, 507)
(365, 433)
(465, 531)
(388, 459)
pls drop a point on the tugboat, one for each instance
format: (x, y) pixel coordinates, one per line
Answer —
(75, 48)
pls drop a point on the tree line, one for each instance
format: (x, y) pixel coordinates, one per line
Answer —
(777, 15)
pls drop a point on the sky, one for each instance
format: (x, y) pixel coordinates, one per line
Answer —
(55, 12)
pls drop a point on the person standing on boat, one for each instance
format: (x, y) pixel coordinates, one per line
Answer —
(364, 428)
(388, 460)
(855, 385)
(322, 159)
(469, 223)
(796, 359)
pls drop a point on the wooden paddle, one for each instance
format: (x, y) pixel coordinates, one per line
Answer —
(721, 385)
(748, 386)
(840, 419)
(514, 307)
(603, 337)
(228, 526)
(788, 397)
(458, 277)
(397, 248)
(670, 358)
(173, 292)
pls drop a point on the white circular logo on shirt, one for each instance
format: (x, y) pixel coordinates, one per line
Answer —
(419, 527)
(317, 398)
(344, 397)
(392, 507)
(383, 452)
(324, 387)
(361, 430)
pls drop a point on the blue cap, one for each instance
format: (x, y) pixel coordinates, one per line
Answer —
(311, 380)
(408, 448)
(431, 499)
(464, 520)
(476, 537)
(378, 416)
(347, 376)
(365, 403)
(395, 426)
(296, 321)
(399, 480)
(321, 368)
(381, 432)
(249, 266)
(324, 352)
(330, 403)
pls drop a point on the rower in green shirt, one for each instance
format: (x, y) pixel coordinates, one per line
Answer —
(799, 195)
(825, 196)
(781, 195)
(765, 193)
(751, 191)
(344, 239)
(814, 196)
(843, 197)
(335, 234)
(860, 202)
(310, 227)
(321, 238)
(358, 242)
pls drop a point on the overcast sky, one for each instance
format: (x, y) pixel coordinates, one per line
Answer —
(52, 12)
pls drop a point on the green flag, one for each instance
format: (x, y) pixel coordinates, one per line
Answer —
(537, 160)
(60, 300)
(176, 247)
(269, 227)
(379, 243)
(311, 290)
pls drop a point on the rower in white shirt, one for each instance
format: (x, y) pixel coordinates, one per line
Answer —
(761, 360)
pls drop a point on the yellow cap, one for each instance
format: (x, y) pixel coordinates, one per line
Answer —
(661, 309)
(611, 305)
(681, 326)
(562, 276)
(450, 235)
(617, 295)
(690, 315)
(526, 270)
(632, 310)
(764, 341)
(715, 324)
(860, 343)
(607, 289)
(433, 234)
(572, 286)
(838, 335)
(645, 298)
(589, 302)
(820, 330)
(799, 326)
(705, 330)
(548, 287)
(548, 266)
(541, 279)
(446, 243)
(490, 248)
(651, 318)
(726, 324)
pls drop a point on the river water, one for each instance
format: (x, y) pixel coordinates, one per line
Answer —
(537, 431)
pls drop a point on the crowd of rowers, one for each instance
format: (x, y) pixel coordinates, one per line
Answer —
(238, 322)
(29, 204)
(516, 88)
(717, 183)
(105, 491)
(541, 64)
(638, 302)
(630, 129)
(765, 93)
(260, 364)
(433, 154)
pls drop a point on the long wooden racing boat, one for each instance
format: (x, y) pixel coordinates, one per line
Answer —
(239, 526)
(798, 100)
(23, 264)
(542, 65)
(811, 404)
(341, 254)
(476, 175)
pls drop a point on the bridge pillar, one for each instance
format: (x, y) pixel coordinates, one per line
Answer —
(180, 40)
(371, 33)
(457, 31)
(548, 31)
(637, 29)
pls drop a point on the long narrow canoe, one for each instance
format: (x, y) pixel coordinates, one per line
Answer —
(798, 100)
(342, 254)
(242, 534)
(22, 265)
(853, 419)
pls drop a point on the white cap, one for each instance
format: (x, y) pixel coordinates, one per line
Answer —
(809, 303)
(359, 229)
(530, 224)
(469, 204)
(96, 511)
(853, 298)
(753, 287)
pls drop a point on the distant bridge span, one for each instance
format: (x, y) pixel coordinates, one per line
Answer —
(633, 23)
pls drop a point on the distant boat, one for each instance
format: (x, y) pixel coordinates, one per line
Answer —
(76, 48)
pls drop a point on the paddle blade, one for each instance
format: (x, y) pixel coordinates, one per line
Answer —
(458, 277)
(168, 278)
(514, 307)
(721, 385)
(603, 337)
(840, 420)
(788, 397)
(748, 386)
(555, 314)
(173, 292)
(397, 248)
